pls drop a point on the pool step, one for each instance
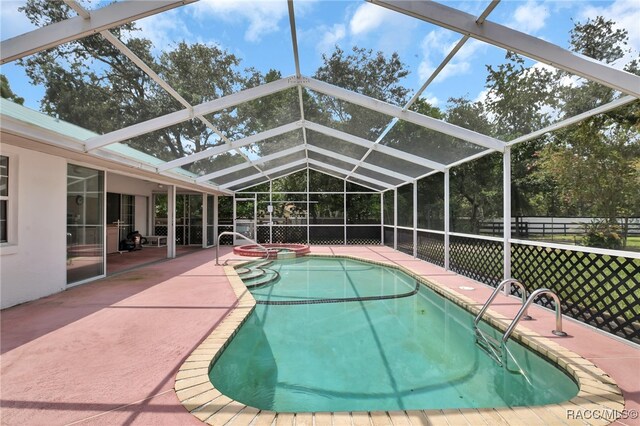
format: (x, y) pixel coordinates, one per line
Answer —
(252, 274)
(262, 264)
(270, 276)
(242, 270)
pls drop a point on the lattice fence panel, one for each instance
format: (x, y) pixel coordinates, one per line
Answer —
(262, 234)
(405, 241)
(363, 235)
(195, 235)
(600, 290)
(431, 247)
(289, 234)
(181, 235)
(327, 235)
(210, 240)
(388, 236)
(479, 259)
(227, 240)
(160, 230)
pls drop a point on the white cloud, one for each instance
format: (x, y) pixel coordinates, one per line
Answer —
(13, 22)
(158, 28)
(330, 37)
(367, 18)
(262, 17)
(436, 46)
(530, 17)
(432, 99)
(483, 96)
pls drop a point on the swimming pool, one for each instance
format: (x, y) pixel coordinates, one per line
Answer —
(342, 335)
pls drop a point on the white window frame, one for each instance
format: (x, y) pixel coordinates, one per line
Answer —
(11, 245)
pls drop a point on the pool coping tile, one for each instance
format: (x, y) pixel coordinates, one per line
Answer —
(597, 390)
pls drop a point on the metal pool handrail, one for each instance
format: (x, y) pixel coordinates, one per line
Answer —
(558, 330)
(495, 293)
(237, 234)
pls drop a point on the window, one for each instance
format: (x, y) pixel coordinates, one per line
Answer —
(4, 198)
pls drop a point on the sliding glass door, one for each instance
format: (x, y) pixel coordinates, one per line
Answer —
(85, 223)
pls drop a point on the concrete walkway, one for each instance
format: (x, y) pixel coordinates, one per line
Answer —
(108, 352)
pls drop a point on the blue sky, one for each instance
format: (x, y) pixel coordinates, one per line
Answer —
(258, 32)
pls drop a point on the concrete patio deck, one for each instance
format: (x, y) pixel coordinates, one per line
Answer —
(108, 352)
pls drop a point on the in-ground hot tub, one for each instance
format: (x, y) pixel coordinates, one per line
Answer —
(253, 250)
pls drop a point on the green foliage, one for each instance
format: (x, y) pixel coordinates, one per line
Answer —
(7, 93)
(595, 162)
(362, 71)
(363, 208)
(518, 97)
(602, 234)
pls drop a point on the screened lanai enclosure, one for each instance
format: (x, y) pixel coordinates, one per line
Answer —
(537, 179)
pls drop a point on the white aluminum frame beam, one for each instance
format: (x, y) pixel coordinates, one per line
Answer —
(337, 134)
(575, 119)
(452, 53)
(217, 150)
(153, 75)
(310, 162)
(296, 60)
(236, 182)
(187, 114)
(110, 16)
(328, 173)
(22, 129)
(432, 77)
(516, 41)
(399, 112)
(336, 169)
(246, 165)
(355, 161)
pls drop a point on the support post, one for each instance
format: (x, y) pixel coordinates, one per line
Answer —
(415, 219)
(204, 220)
(216, 200)
(447, 220)
(233, 216)
(344, 211)
(382, 217)
(506, 215)
(270, 212)
(171, 221)
(308, 212)
(395, 218)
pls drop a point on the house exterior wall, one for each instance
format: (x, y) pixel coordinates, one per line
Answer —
(33, 262)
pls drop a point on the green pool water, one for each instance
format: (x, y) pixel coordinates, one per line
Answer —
(415, 352)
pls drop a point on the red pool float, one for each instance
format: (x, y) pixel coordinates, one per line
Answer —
(253, 250)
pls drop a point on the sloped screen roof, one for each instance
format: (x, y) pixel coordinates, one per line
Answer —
(231, 135)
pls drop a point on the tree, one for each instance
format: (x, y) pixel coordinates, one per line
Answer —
(476, 186)
(595, 162)
(7, 93)
(520, 99)
(92, 84)
(365, 72)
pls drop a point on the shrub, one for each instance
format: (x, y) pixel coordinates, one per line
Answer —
(602, 234)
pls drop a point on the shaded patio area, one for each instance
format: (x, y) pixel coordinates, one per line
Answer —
(108, 352)
(119, 262)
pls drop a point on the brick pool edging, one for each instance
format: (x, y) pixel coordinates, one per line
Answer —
(598, 392)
